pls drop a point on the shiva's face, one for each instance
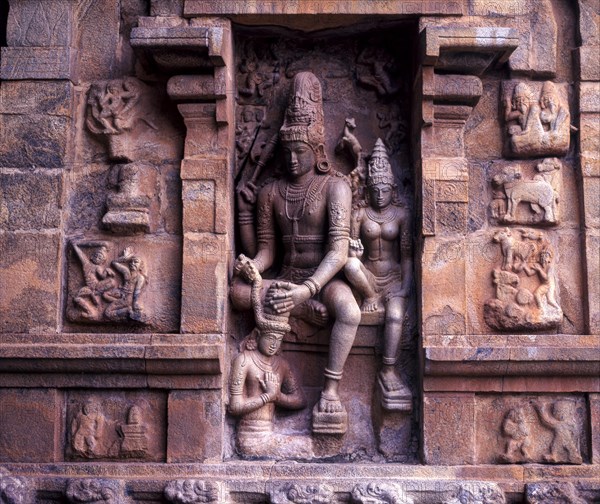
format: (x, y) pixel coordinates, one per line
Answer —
(299, 158)
(269, 343)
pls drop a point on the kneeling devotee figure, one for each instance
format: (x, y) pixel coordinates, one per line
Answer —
(381, 232)
(262, 380)
(308, 212)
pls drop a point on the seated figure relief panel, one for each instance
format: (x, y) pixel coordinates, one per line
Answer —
(327, 227)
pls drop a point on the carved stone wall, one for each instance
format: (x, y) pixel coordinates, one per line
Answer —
(299, 252)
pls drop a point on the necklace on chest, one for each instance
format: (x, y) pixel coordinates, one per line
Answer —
(388, 215)
(298, 197)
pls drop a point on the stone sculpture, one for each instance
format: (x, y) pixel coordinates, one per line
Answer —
(474, 492)
(14, 490)
(517, 435)
(536, 127)
(294, 493)
(111, 293)
(192, 491)
(541, 194)
(560, 419)
(381, 236)
(310, 208)
(115, 109)
(88, 432)
(517, 307)
(552, 493)
(380, 493)
(95, 491)
(135, 442)
(262, 380)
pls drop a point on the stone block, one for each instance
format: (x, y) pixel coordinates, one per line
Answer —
(19, 63)
(34, 141)
(587, 62)
(591, 202)
(30, 200)
(41, 24)
(29, 274)
(595, 423)
(589, 133)
(592, 270)
(589, 22)
(204, 293)
(195, 426)
(589, 97)
(29, 425)
(166, 7)
(449, 429)
(36, 97)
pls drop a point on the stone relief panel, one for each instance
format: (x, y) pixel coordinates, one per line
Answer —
(525, 283)
(96, 491)
(191, 491)
(527, 199)
(531, 429)
(114, 284)
(537, 119)
(304, 112)
(302, 120)
(126, 426)
(474, 492)
(380, 493)
(552, 493)
(296, 493)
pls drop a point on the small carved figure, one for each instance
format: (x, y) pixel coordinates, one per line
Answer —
(380, 493)
(384, 277)
(539, 193)
(552, 493)
(135, 442)
(192, 491)
(125, 301)
(397, 129)
(349, 142)
(310, 209)
(262, 380)
(513, 308)
(561, 420)
(97, 276)
(305, 494)
(95, 491)
(537, 128)
(374, 68)
(515, 429)
(14, 490)
(478, 492)
(88, 431)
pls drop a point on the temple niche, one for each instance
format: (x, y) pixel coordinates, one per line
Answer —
(322, 157)
(299, 252)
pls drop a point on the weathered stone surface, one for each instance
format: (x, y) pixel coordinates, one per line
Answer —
(595, 422)
(52, 98)
(195, 427)
(30, 200)
(29, 425)
(32, 24)
(19, 63)
(34, 141)
(449, 429)
(29, 268)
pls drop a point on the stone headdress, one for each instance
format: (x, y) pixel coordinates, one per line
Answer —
(522, 89)
(304, 120)
(379, 168)
(549, 89)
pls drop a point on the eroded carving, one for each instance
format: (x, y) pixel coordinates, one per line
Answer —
(111, 293)
(446, 321)
(262, 380)
(96, 491)
(381, 237)
(310, 209)
(293, 493)
(536, 124)
(380, 493)
(14, 490)
(375, 70)
(517, 434)
(540, 194)
(473, 492)
(96, 436)
(553, 493)
(561, 420)
(191, 491)
(115, 109)
(525, 283)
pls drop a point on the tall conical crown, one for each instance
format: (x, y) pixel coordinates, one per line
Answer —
(304, 120)
(380, 169)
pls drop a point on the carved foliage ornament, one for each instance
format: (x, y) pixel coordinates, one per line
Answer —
(552, 493)
(192, 491)
(474, 492)
(95, 491)
(13, 490)
(380, 493)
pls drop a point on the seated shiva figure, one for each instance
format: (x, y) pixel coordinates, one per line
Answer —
(381, 236)
(308, 212)
(262, 380)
